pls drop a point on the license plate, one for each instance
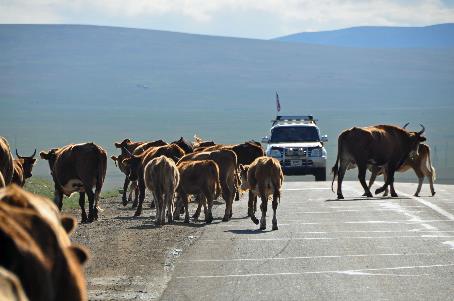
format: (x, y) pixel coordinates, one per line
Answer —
(296, 163)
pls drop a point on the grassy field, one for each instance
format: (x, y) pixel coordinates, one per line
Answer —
(45, 187)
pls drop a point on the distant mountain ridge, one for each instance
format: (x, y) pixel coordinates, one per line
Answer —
(434, 36)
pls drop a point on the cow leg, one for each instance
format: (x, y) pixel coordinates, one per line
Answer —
(136, 196)
(186, 208)
(169, 203)
(420, 181)
(196, 214)
(58, 198)
(91, 203)
(141, 197)
(431, 183)
(362, 168)
(275, 200)
(125, 189)
(157, 197)
(251, 207)
(389, 179)
(263, 207)
(340, 177)
(82, 206)
(178, 206)
(228, 196)
(209, 216)
(237, 195)
(373, 175)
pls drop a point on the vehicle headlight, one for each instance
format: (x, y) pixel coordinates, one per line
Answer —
(316, 152)
(275, 153)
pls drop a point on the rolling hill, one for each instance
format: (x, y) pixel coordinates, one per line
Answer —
(62, 84)
(434, 36)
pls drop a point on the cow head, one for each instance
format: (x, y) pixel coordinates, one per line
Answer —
(415, 139)
(122, 144)
(184, 145)
(243, 176)
(27, 164)
(50, 156)
(130, 164)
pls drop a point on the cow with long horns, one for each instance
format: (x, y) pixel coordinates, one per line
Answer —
(23, 168)
(382, 145)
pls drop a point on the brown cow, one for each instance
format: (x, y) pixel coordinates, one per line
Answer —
(263, 178)
(23, 168)
(162, 178)
(184, 145)
(375, 145)
(227, 163)
(6, 161)
(135, 164)
(127, 147)
(10, 287)
(78, 168)
(199, 178)
(421, 164)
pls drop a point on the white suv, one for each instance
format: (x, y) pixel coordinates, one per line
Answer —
(296, 142)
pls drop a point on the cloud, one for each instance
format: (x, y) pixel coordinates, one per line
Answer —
(204, 16)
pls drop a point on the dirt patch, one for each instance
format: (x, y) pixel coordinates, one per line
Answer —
(131, 259)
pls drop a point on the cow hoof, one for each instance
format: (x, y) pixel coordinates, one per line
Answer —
(379, 190)
(84, 220)
(433, 193)
(255, 220)
(124, 202)
(417, 194)
(262, 227)
(225, 219)
(394, 195)
(137, 214)
(134, 205)
(340, 197)
(275, 227)
(186, 220)
(368, 194)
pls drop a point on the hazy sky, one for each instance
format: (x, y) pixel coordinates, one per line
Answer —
(240, 18)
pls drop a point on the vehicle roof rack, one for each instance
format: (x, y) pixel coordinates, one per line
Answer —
(281, 119)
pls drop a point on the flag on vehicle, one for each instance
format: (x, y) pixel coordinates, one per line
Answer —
(278, 104)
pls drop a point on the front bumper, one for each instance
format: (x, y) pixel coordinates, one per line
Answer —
(306, 166)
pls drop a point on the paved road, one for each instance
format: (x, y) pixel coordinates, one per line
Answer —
(325, 249)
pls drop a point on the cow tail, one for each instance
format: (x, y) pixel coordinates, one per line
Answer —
(335, 169)
(102, 168)
(218, 188)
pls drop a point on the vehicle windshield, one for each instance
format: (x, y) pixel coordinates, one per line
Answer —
(295, 134)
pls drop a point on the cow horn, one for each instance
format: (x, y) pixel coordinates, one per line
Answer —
(405, 125)
(32, 156)
(128, 152)
(20, 157)
(421, 131)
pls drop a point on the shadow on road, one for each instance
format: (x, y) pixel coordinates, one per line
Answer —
(247, 231)
(368, 199)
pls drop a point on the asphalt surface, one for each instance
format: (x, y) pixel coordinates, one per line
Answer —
(326, 249)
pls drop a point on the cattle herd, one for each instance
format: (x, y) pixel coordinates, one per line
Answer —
(34, 234)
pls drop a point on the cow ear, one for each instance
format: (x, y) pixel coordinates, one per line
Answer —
(422, 139)
(69, 223)
(241, 167)
(80, 252)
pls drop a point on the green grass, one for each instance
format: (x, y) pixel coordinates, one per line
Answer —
(45, 188)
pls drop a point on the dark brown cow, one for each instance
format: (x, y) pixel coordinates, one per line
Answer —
(421, 164)
(31, 249)
(135, 164)
(227, 163)
(184, 145)
(199, 178)
(6, 161)
(23, 168)
(78, 168)
(381, 145)
(263, 178)
(127, 147)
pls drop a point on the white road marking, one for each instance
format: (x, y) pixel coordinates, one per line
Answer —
(431, 206)
(311, 257)
(325, 238)
(315, 272)
(449, 243)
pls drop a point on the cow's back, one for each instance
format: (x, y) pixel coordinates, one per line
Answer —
(266, 172)
(161, 175)
(6, 161)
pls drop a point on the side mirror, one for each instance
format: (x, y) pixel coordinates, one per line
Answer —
(265, 139)
(324, 138)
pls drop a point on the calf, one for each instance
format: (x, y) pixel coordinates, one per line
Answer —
(421, 164)
(199, 178)
(227, 162)
(263, 178)
(162, 178)
(135, 164)
(23, 168)
(78, 168)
